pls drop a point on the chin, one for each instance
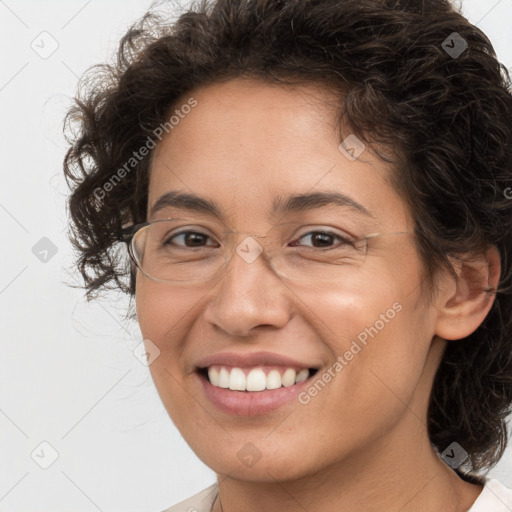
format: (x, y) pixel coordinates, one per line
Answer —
(252, 464)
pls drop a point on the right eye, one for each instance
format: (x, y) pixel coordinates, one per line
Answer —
(188, 238)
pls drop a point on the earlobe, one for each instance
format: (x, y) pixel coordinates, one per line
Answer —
(464, 303)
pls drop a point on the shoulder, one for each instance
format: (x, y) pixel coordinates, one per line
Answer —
(200, 502)
(495, 497)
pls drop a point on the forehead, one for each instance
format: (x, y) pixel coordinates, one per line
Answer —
(247, 144)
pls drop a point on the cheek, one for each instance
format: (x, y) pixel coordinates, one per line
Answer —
(163, 311)
(165, 315)
(378, 334)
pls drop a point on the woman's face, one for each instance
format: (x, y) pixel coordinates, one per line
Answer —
(367, 331)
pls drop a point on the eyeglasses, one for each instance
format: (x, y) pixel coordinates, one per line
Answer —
(179, 251)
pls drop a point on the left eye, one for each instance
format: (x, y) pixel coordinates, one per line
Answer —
(324, 238)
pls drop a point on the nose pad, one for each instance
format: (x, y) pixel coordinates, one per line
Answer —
(253, 248)
(248, 248)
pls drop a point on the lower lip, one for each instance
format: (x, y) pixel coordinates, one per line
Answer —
(250, 403)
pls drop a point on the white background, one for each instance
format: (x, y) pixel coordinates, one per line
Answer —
(67, 372)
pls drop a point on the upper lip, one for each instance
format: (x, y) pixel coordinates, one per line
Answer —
(250, 359)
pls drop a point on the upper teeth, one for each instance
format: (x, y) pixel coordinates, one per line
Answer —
(256, 380)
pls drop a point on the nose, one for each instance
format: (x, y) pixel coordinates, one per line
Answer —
(248, 295)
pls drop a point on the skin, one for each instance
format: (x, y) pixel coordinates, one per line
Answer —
(362, 442)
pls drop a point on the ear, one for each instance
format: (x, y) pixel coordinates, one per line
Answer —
(463, 304)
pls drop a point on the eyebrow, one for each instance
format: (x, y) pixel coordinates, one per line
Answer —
(301, 202)
(281, 205)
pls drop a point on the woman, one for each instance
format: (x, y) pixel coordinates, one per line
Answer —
(314, 198)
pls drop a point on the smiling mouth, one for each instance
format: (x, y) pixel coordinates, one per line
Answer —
(255, 378)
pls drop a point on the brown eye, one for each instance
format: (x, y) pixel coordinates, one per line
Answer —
(189, 239)
(320, 239)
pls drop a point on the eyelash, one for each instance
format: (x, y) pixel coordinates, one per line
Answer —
(343, 240)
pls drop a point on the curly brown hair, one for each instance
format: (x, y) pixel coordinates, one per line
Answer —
(446, 118)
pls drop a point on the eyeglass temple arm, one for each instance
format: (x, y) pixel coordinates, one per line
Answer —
(127, 233)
